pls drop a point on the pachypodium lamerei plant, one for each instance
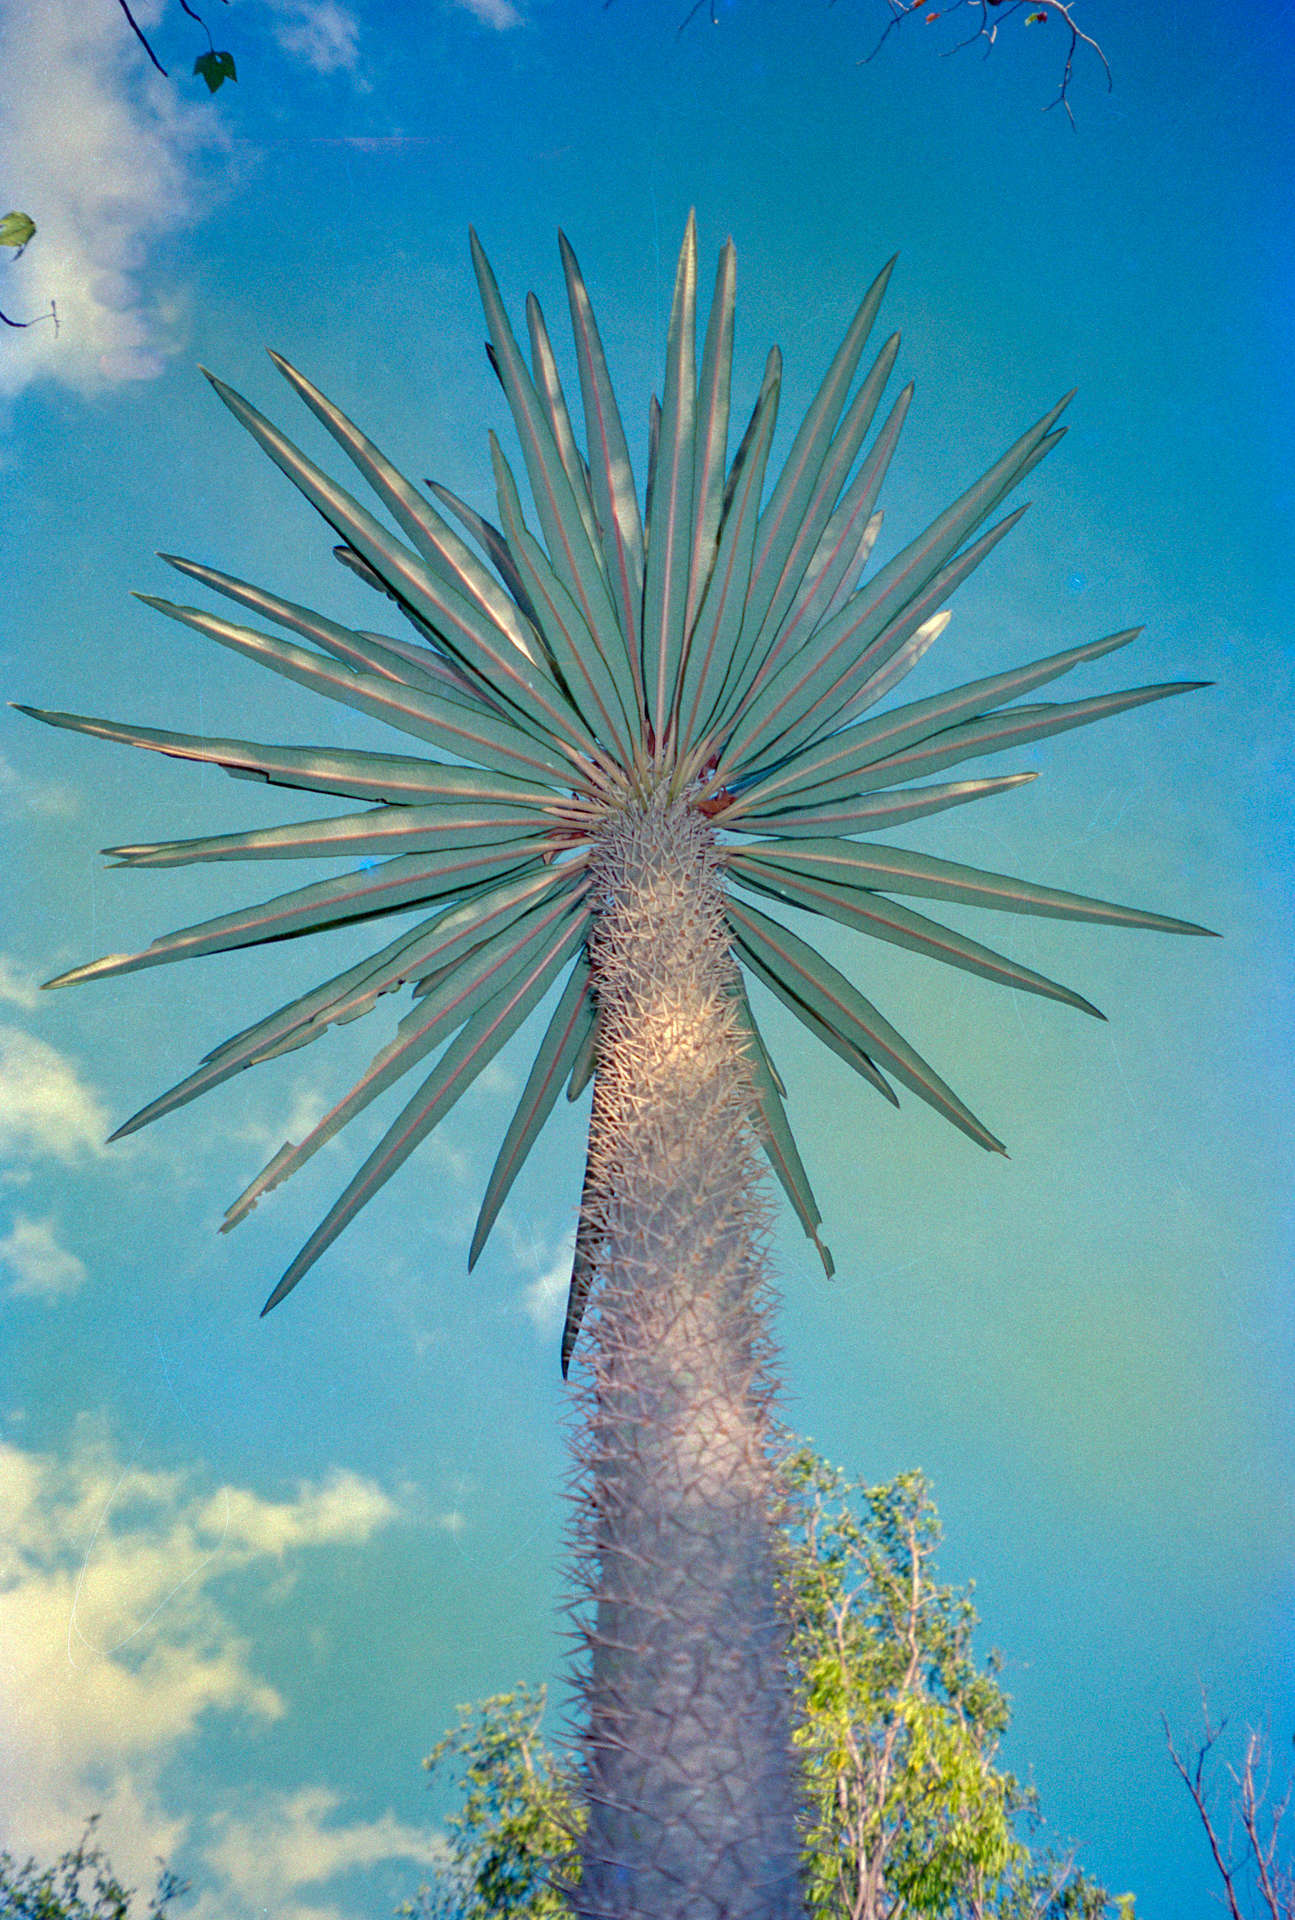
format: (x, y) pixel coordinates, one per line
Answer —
(634, 725)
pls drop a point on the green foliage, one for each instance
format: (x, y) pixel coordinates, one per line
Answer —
(215, 68)
(512, 1840)
(80, 1886)
(16, 229)
(906, 1812)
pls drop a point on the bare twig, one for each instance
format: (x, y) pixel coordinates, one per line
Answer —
(1260, 1822)
(989, 16)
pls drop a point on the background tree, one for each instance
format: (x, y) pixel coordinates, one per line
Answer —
(663, 707)
(1252, 1852)
(79, 1886)
(905, 1810)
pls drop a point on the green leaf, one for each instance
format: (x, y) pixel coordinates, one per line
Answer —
(215, 68)
(354, 992)
(853, 1055)
(388, 658)
(582, 1268)
(848, 636)
(492, 544)
(918, 720)
(610, 474)
(874, 868)
(421, 711)
(582, 1067)
(775, 1132)
(16, 229)
(871, 815)
(358, 776)
(604, 697)
(548, 388)
(390, 888)
(807, 975)
(450, 998)
(836, 768)
(799, 508)
(887, 920)
(573, 1017)
(480, 1040)
(832, 535)
(710, 660)
(474, 639)
(711, 434)
(352, 836)
(670, 519)
(805, 698)
(570, 549)
(430, 534)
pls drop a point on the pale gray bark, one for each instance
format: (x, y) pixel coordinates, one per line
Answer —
(689, 1768)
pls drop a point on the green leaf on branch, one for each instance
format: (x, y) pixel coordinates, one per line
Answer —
(215, 68)
(16, 229)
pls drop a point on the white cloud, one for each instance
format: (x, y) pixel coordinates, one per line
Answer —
(545, 1299)
(104, 154)
(319, 32)
(45, 1107)
(40, 1266)
(500, 14)
(294, 1842)
(110, 159)
(20, 793)
(118, 1653)
(18, 985)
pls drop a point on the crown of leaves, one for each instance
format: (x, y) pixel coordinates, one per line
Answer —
(718, 647)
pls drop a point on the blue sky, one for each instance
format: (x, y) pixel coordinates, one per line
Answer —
(252, 1567)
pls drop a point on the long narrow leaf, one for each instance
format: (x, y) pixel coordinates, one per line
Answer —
(610, 475)
(478, 1043)
(710, 659)
(823, 1031)
(804, 697)
(357, 649)
(670, 522)
(711, 432)
(582, 1267)
(880, 869)
(835, 769)
(474, 639)
(917, 720)
(788, 534)
(810, 977)
(776, 1135)
(898, 584)
(887, 920)
(340, 770)
(352, 993)
(490, 540)
(484, 972)
(390, 888)
(558, 1050)
(429, 533)
(420, 711)
(601, 687)
(350, 836)
(548, 389)
(570, 549)
(842, 817)
(790, 614)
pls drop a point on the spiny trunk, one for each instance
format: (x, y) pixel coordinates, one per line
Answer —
(688, 1762)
